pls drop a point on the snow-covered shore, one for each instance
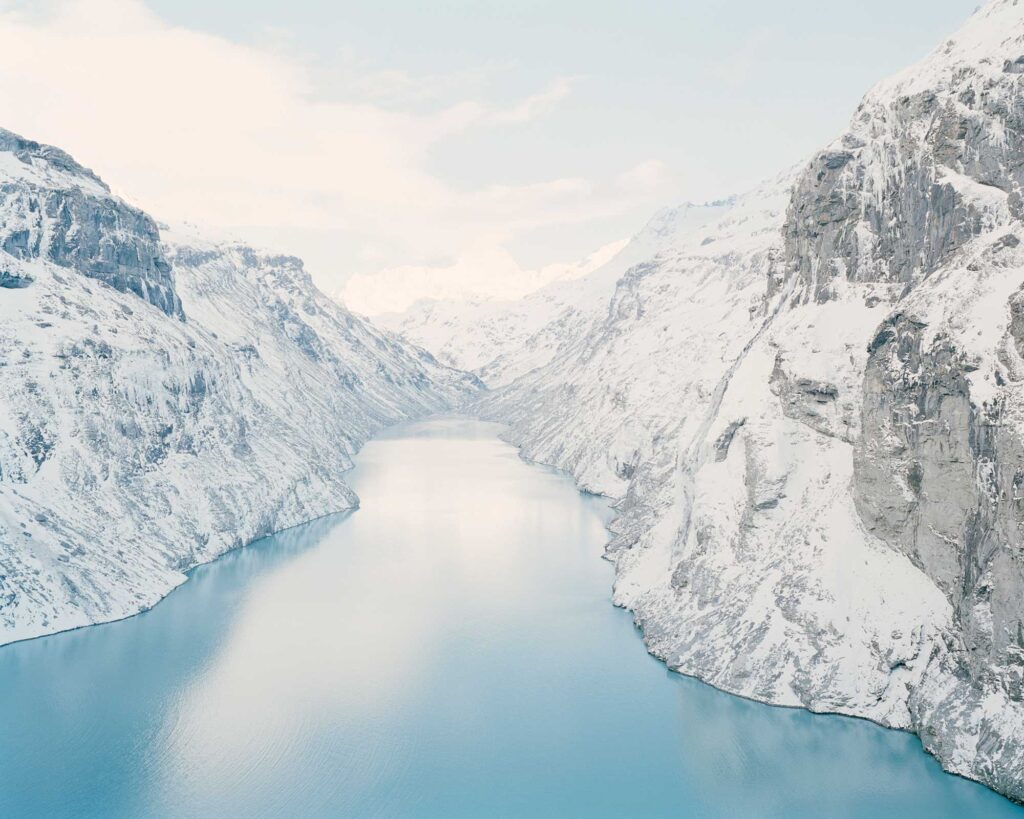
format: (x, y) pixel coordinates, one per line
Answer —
(810, 411)
(163, 402)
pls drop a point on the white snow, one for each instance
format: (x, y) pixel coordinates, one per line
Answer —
(135, 445)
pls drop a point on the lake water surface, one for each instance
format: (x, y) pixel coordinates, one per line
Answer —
(450, 650)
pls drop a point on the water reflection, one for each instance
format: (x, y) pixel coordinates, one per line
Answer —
(450, 649)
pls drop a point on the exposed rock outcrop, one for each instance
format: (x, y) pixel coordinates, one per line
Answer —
(55, 209)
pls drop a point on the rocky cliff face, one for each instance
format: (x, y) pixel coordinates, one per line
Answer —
(811, 413)
(932, 159)
(924, 192)
(162, 402)
(938, 473)
(81, 226)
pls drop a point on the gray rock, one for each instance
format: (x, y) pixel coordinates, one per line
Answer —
(842, 225)
(14, 281)
(77, 224)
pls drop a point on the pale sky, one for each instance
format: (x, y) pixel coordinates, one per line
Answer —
(408, 149)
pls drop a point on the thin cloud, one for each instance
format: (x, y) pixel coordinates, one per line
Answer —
(736, 68)
(537, 105)
(195, 127)
(645, 177)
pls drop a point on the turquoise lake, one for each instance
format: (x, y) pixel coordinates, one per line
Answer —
(449, 649)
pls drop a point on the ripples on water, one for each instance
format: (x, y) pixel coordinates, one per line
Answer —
(447, 650)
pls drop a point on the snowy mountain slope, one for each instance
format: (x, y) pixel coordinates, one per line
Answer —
(814, 421)
(162, 404)
(501, 340)
(743, 561)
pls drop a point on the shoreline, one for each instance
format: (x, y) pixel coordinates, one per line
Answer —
(613, 514)
(187, 575)
(613, 506)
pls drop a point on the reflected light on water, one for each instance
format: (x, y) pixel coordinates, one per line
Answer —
(449, 649)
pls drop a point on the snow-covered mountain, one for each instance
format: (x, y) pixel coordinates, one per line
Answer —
(808, 401)
(162, 402)
(812, 412)
(501, 340)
